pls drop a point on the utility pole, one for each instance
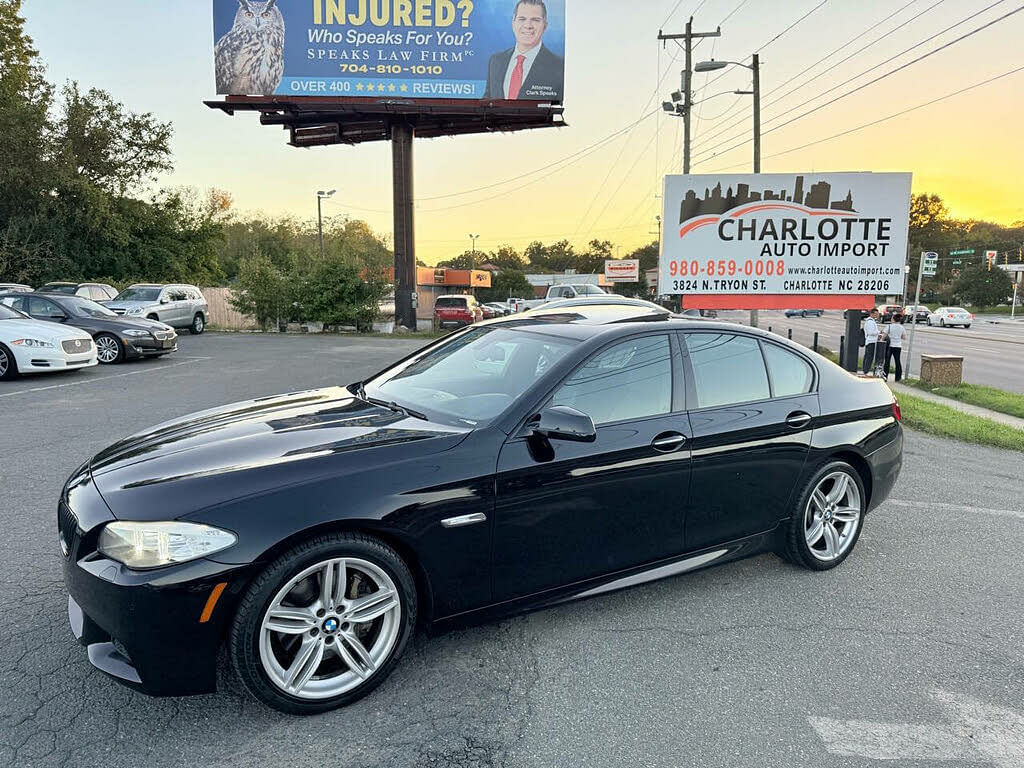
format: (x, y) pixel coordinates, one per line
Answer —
(688, 37)
(756, 68)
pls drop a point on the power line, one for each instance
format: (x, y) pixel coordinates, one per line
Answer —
(861, 87)
(735, 123)
(806, 70)
(884, 119)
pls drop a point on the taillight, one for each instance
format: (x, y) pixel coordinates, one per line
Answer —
(896, 412)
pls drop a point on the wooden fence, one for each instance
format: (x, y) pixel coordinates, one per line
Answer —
(223, 315)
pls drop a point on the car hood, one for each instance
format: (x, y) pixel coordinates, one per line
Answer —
(253, 447)
(41, 329)
(124, 323)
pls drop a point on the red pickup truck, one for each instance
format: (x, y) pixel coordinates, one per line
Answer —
(456, 312)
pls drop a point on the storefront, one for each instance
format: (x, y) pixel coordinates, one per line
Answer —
(432, 282)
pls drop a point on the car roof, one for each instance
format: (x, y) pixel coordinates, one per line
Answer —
(590, 320)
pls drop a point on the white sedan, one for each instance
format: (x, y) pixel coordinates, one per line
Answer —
(947, 316)
(35, 346)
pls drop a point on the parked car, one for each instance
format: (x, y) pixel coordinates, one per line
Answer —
(916, 314)
(597, 301)
(501, 309)
(565, 291)
(4, 287)
(950, 316)
(180, 306)
(456, 311)
(34, 346)
(805, 312)
(515, 305)
(886, 311)
(94, 291)
(117, 338)
(509, 466)
(490, 311)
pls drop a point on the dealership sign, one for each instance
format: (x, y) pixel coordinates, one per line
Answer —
(404, 49)
(622, 270)
(840, 234)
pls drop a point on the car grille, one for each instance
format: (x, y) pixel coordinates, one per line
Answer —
(67, 527)
(76, 346)
(164, 335)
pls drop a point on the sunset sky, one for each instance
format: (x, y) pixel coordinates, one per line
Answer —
(158, 57)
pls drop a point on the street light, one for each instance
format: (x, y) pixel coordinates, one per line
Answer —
(320, 197)
(472, 262)
(755, 67)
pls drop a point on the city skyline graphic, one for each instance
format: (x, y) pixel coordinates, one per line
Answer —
(715, 203)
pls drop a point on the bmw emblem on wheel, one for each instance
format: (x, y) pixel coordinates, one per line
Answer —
(330, 625)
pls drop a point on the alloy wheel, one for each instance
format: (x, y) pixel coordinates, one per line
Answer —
(832, 516)
(3, 363)
(107, 349)
(330, 628)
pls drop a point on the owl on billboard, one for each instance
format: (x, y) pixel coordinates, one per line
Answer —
(250, 57)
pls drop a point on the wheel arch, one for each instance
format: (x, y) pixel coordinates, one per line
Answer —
(424, 592)
(860, 464)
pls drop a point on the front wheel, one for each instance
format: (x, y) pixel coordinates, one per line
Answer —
(8, 365)
(826, 522)
(109, 349)
(324, 625)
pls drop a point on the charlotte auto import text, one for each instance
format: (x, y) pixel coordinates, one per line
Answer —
(793, 237)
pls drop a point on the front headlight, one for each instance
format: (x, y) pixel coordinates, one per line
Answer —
(151, 545)
(135, 332)
(35, 343)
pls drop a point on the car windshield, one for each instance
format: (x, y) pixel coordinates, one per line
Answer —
(138, 294)
(6, 313)
(81, 307)
(473, 377)
(69, 288)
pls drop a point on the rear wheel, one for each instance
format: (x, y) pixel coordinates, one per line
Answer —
(198, 325)
(109, 349)
(324, 625)
(826, 522)
(8, 365)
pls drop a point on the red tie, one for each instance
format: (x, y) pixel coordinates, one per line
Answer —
(516, 83)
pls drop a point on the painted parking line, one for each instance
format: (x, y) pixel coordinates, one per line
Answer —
(974, 731)
(926, 505)
(95, 379)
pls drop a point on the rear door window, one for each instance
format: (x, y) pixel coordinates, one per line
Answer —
(790, 374)
(728, 369)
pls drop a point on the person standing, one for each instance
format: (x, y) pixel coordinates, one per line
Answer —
(896, 333)
(870, 340)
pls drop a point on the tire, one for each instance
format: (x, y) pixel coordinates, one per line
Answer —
(153, 316)
(823, 552)
(198, 324)
(109, 349)
(967, 326)
(942, 323)
(258, 653)
(8, 365)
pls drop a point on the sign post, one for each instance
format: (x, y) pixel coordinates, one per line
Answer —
(928, 266)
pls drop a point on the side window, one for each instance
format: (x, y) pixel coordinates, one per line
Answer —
(41, 308)
(790, 374)
(20, 303)
(85, 291)
(630, 380)
(727, 369)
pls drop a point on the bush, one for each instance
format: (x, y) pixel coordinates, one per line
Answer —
(338, 291)
(262, 292)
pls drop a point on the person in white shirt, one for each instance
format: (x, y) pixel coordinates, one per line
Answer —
(870, 340)
(896, 334)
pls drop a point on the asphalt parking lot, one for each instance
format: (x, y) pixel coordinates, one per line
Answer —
(910, 652)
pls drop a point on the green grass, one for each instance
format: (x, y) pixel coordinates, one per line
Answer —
(986, 397)
(943, 421)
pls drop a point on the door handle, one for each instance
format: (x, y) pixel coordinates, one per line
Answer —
(668, 442)
(798, 419)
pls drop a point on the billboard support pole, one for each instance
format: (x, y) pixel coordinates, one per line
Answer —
(851, 351)
(402, 135)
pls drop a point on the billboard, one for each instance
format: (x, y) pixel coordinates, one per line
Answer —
(622, 270)
(410, 49)
(776, 234)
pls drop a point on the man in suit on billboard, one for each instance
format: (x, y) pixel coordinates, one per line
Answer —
(529, 70)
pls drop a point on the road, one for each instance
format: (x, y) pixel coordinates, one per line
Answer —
(993, 352)
(912, 648)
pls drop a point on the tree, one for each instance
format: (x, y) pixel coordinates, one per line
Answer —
(981, 288)
(507, 257)
(262, 292)
(510, 283)
(341, 292)
(465, 260)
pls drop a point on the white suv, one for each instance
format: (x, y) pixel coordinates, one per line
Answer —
(182, 306)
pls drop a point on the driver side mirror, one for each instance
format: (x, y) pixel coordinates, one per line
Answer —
(560, 422)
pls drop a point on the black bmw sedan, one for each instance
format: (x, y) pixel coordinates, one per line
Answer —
(508, 466)
(117, 338)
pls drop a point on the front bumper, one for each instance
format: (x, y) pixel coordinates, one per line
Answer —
(157, 631)
(148, 346)
(42, 360)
